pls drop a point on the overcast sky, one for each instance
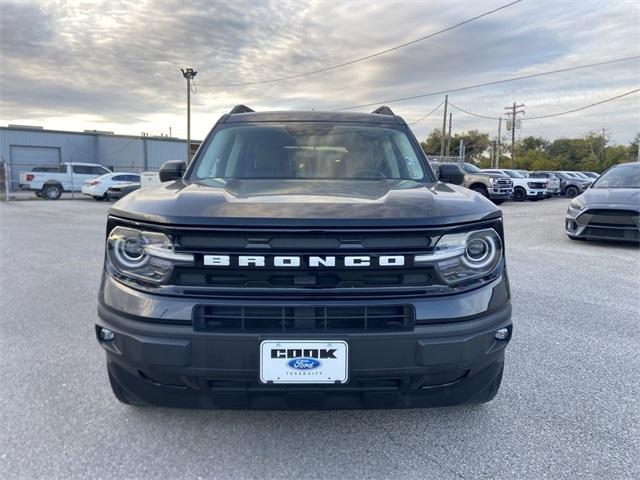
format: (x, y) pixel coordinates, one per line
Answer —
(114, 65)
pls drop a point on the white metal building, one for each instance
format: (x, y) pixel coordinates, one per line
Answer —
(24, 147)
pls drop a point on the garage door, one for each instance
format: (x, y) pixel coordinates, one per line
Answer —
(24, 159)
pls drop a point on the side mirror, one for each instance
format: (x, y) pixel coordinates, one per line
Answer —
(172, 170)
(451, 173)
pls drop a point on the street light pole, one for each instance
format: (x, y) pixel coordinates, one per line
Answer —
(188, 74)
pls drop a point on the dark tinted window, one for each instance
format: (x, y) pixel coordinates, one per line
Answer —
(89, 170)
(82, 170)
(319, 150)
(467, 167)
(624, 176)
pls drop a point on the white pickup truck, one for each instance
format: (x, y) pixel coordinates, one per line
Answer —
(524, 188)
(68, 177)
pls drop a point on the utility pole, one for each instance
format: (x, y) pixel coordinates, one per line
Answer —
(512, 112)
(444, 125)
(189, 74)
(602, 142)
(449, 135)
(498, 143)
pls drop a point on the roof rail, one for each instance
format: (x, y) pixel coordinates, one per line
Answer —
(241, 109)
(384, 110)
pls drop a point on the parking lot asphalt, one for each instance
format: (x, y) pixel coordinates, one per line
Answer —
(569, 404)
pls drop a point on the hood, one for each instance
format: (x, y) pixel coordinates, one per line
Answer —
(487, 174)
(620, 196)
(339, 203)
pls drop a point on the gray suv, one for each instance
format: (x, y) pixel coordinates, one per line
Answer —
(495, 187)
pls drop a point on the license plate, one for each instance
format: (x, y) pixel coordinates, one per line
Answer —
(301, 361)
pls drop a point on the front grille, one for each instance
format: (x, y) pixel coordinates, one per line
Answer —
(537, 185)
(225, 318)
(613, 233)
(503, 183)
(610, 218)
(364, 277)
(269, 279)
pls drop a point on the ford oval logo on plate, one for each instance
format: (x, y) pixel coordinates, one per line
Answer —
(304, 363)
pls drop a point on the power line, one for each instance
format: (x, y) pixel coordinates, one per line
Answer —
(630, 92)
(495, 82)
(425, 116)
(471, 113)
(367, 57)
(552, 114)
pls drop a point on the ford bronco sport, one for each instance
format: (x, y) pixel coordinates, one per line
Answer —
(305, 260)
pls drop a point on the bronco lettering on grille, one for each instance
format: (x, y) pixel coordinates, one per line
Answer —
(293, 261)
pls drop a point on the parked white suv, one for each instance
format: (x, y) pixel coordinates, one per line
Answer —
(524, 188)
(97, 187)
(554, 185)
(68, 177)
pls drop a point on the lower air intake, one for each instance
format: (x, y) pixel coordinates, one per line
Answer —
(223, 318)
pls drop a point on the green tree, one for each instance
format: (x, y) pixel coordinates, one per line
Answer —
(476, 144)
(533, 143)
(633, 148)
(431, 145)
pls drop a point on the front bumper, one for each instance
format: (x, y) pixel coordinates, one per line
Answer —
(500, 194)
(578, 224)
(450, 360)
(536, 193)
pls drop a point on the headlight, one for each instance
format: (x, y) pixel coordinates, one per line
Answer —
(577, 204)
(147, 256)
(492, 180)
(459, 257)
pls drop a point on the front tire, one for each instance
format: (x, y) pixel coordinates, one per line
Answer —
(99, 199)
(571, 192)
(498, 202)
(481, 190)
(519, 194)
(52, 192)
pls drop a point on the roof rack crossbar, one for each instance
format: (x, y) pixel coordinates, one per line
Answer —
(241, 109)
(384, 110)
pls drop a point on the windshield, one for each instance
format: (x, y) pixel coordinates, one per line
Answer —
(514, 174)
(309, 150)
(581, 176)
(625, 176)
(467, 167)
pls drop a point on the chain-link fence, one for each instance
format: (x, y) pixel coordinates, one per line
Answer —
(444, 159)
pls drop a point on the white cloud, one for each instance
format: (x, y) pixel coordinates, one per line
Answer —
(115, 64)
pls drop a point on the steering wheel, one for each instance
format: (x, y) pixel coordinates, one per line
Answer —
(367, 173)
